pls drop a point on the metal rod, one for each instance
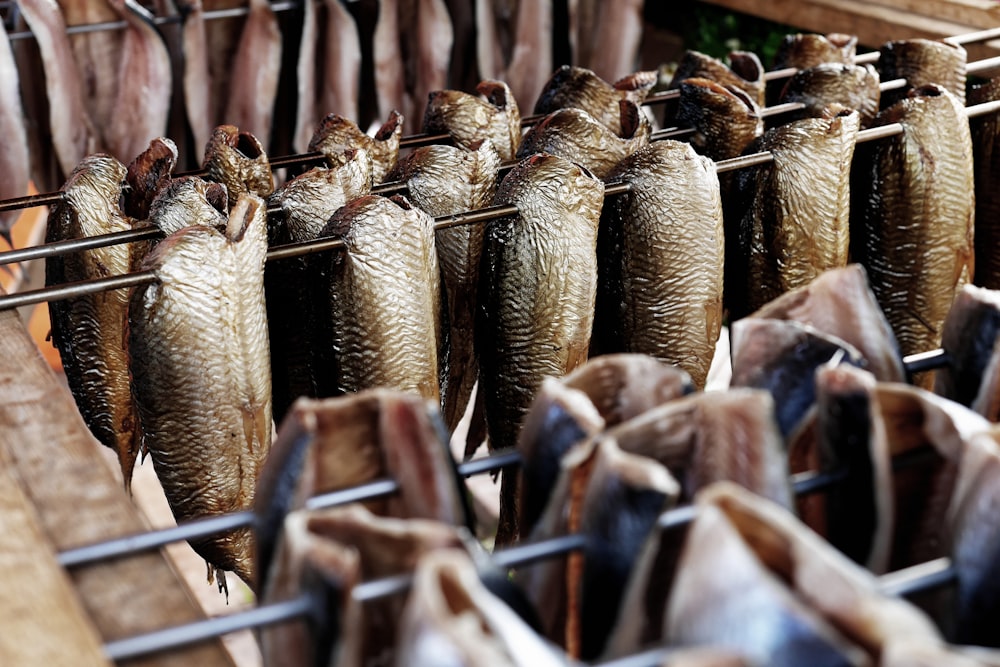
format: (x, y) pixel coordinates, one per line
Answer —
(58, 248)
(970, 37)
(926, 361)
(914, 579)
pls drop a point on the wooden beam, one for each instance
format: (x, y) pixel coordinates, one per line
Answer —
(982, 14)
(46, 447)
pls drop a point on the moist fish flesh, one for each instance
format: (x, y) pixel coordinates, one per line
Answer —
(329, 67)
(840, 303)
(299, 211)
(782, 357)
(147, 175)
(256, 65)
(823, 87)
(580, 88)
(986, 158)
(199, 361)
(789, 218)
(89, 331)
(754, 580)
(96, 58)
(14, 160)
(537, 285)
(330, 444)
(802, 51)
(972, 374)
(743, 72)
(923, 62)
(470, 119)
(575, 135)
(912, 212)
(725, 119)
(237, 159)
(188, 201)
(451, 618)
(614, 499)
(660, 260)
(383, 300)
(442, 181)
(335, 134)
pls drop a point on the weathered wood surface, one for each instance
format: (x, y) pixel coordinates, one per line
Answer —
(882, 20)
(47, 449)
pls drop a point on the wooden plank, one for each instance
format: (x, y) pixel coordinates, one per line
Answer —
(873, 24)
(979, 13)
(42, 618)
(49, 450)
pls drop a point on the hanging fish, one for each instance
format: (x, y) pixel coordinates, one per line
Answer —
(802, 51)
(969, 338)
(580, 88)
(14, 157)
(743, 72)
(335, 135)
(824, 87)
(471, 119)
(255, 67)
(147, 175)
(238, 160)
(986, 158)
(725, 119)
(923, 62)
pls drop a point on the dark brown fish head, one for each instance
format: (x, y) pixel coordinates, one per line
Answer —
(802, 51)
(190, 200)
(725, 118)
(238, 160)
(576, 135)
(580, 88)
(637, 85)
(149, 173)
(745, 72)
(498, 94)
(820, 86)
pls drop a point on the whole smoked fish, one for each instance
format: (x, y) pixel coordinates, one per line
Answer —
(335, 134)
(802, 51)
(725, 119)
(743, 72)
(255, 68)
(923, 62)
(89, 331)
(538, 283)
(470, 119)
(824, 86)
(972, 375)
(147, 175)
(201, 102)
(913, 206)
(188, 201)
(14, 159)
(237, 159)
(580, 88)
(660, 260)
(986, 157)
(199, 350)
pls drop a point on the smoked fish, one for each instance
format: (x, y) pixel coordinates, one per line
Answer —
(804, 50)
(89, 331)
(743, 72)
(147, 175)
(611, 48)
(986, 158)
(660, 260)
(335, 134)
(912, 213)
(14, 157)
(255, 67)
(923, 62)
(969, 338)
(725, 119)
(237, 159)
(580, 88)
(470, 119)
(823, 87)
(201, 102)
(538, 282)
(199, 361)
(442, 181)
(188, 201)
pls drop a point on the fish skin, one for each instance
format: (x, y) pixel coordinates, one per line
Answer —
(96, 60)
(912, 215)
(725, 120)
(15, 161)
(469, 119)
(200, 102)
(237, 159)
(840, 303)
(546, 254)
(660, 260)
(89, 331)
(794, 212)
(580, 88)
(74, 135)
(986, 158)
(383, 303)
(969, 339)
(199, 347)
(824, 86)
(745, 72)
(531, 54)
(387, 54)
(575, 135)
(147, 175)
(616, 39)
(335, 133)
(255, 68)
(188, 201)
(923, 62)
(802, 51)
(442, 181)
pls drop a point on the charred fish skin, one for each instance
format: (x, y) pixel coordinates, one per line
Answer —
(923, 62)
(147, 175)
(89, 330)
(335, 134)
(383, 302)
(986, 157)
(580, 88)
(824, 86)
(537, 288)
(660, 260)
(794, 222)
(238, 160)
(802, 51)
(912, 214)
(469, 120)
(198, 338)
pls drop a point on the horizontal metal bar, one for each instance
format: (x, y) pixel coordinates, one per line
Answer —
(971, 37)
(57, 248)
(926, 361)
(917, 578)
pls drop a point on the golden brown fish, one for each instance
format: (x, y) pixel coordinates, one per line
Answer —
(470, 119)
(660, 260)
(725, 119)
(199, 361)
(972, 374)
(913, 206)
(743, 72)
(188, 201)
(579, 88)
(809, 50)
(537, 287)
(575, 135)
(986, 158)
(253, 84)
(14, 161)
(89, 331)
(147, 175)
(335, 134)
(825, 86)
(789, 218)
(237, 159)
(383, 300)
(840, 303)
(922, 62)
(444, 180)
